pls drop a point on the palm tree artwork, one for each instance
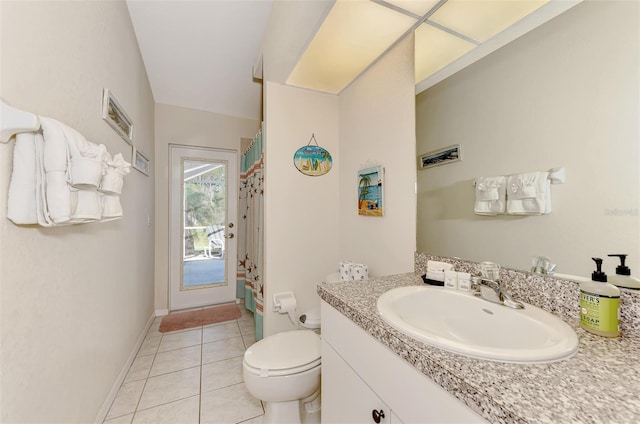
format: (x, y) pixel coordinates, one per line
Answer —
(370, 191)
(363, 189)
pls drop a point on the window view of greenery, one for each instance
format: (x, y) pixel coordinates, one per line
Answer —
(204, 208)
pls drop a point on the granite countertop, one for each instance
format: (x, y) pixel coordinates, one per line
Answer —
(599, 384)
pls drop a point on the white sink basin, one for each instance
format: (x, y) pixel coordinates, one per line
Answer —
(465, 324)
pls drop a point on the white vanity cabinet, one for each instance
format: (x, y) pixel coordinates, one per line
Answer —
(345, 397)
(360, 375)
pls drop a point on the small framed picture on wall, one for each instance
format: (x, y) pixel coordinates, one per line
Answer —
(116, 117)
(370, 191)
(140, 161)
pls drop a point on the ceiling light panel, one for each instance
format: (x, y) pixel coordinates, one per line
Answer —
(435, 49)
(482, 19)
(418, 7)
(353, 35)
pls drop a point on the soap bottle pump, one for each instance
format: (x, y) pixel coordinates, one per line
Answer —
(600, 304)
(623, 276)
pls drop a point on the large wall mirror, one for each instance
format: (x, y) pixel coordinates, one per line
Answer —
(563, 95)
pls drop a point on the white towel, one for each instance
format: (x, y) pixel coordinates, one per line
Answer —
(15, 121)
(113, 179)
(87, 159)
(85, 206)
(56, 162)
(40, 190)
(21, 203)
(490, 195)
(42, 210)
(529, 194)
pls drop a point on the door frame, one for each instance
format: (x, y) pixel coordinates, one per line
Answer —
(175, 264)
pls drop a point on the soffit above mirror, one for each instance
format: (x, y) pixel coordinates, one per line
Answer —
(449, 35)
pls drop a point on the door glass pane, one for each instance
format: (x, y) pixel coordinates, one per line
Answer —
(204, 222)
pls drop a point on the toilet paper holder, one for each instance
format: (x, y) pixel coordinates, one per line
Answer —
(283, 300)
(285, 303)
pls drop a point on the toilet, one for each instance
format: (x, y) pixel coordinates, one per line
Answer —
(283, 370)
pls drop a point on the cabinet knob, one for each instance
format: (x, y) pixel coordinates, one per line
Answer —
(377, 415)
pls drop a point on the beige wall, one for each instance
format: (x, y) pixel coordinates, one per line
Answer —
(377, 124)
(74, 300)
(565, 94)
(311, 223)
(301, 212)
(188, 127)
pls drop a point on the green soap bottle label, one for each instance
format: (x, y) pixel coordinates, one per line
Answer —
(599, 312)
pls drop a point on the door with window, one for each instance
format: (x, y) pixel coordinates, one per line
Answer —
(202, 216)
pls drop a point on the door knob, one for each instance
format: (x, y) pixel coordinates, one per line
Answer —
(231, 225)
(377, 415)
(229, 236)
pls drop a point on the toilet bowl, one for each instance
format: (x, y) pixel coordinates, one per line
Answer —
(283, 370)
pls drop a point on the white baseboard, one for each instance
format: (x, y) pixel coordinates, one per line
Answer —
(104, 410)
(162, 312)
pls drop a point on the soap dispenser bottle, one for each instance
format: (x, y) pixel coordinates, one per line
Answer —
(600, 304)
(623, 276)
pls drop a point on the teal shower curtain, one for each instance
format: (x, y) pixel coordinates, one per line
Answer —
(250, 232)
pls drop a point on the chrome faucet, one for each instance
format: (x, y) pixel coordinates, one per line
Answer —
(493, 291)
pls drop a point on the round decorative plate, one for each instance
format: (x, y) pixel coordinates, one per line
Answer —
(312, 160)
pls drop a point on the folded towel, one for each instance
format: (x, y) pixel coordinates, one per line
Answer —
(111, 207)
(85, 206)
(21, 203)
(45, 167)
(15, 121)
(87, 159)
(55, 166)
(490, 195)
(42, 211)
(86, 172)
(529, 194)
(113, 179)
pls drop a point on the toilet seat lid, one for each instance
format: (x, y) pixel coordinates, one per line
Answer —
(284, 353)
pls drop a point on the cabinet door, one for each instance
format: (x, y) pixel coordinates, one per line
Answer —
(345, 397)
(414, 397)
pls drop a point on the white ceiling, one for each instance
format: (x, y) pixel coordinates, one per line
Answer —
(200, 54)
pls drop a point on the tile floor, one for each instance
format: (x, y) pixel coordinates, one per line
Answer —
(190, 376)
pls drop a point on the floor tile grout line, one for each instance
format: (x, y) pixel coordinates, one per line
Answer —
(245, 344)
(146, 380)
(149, 377)
(201, 371)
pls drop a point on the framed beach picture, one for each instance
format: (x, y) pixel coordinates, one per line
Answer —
(440, 157)
(115, 116)
(370, 191)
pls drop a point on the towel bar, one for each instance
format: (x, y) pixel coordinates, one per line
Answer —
(556, 175)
